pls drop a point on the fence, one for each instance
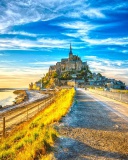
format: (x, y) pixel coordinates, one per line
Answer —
(10, 119)
(123, 97)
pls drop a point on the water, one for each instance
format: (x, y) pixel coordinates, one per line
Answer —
(6, 97)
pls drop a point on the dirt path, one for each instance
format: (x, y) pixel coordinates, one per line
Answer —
(92, 130)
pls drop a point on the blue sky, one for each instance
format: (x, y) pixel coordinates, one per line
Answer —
(36, 34)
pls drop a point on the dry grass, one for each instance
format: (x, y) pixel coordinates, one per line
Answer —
(34, 139)
(120, 91)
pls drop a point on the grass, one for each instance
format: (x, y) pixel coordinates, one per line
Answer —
(120, 91)
(34, 139)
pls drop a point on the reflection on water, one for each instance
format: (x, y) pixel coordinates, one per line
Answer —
(6, 97)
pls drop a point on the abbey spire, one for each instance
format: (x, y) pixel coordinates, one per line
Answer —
(70, 53)
(70, 47)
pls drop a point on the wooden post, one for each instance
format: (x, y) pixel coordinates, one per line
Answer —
(3, 126)
(120, 96)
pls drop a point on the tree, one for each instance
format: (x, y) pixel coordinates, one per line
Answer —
(66, 76)
(54, 75)
(99, 74)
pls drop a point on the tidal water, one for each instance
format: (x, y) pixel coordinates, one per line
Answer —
(6, 97)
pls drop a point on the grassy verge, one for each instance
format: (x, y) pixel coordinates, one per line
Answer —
(34, 139)
(120, 91)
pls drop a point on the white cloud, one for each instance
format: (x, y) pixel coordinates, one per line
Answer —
(41, 43)
(23, 33)
(110, 68)
(90, 57)
(50, 41)
(111, 49)
(118, 6)
(6, 61)
(13, 71)
(125, 51)
(94, 13)
(108, 41)
(44, 63)
(22, 12)
(107, 61)
(78, 25)
(16, 43)
(18, 12)
(77, 29)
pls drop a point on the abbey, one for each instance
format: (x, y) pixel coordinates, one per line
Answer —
(72, 63)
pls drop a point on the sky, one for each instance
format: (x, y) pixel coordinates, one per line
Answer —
(36, 34)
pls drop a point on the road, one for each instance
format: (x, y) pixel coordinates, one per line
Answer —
(119, 108)
(96, 128)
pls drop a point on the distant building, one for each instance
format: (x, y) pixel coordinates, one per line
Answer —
(38, 84)
(35, 86)
(72, 63)
(99, 80)
(119, 85)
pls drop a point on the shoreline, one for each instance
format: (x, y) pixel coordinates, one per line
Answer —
(20, 96)
(24, 103)
(7, 97)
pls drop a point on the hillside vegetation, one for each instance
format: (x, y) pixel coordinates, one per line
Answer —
(34, 139)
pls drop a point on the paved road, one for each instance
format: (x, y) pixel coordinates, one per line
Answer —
(95, 128)
(119, 108)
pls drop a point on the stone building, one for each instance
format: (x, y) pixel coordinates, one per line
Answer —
(72, 63)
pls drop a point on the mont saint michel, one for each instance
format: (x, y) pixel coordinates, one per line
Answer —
(65, 65)
(72, 71)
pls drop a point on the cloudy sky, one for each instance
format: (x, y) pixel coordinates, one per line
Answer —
(36, 34)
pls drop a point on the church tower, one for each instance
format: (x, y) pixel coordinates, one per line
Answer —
(70, 53)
